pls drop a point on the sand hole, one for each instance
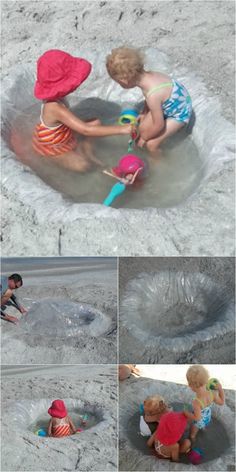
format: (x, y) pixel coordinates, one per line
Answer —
(176, 309)
(32, 415)
(213, 441)
(171, 178)
(63, 318)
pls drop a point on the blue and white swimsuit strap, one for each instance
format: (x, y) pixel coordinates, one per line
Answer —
(205, 413)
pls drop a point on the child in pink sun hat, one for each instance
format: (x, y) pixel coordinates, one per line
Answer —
(59, 74)
(60, 424)
(167, 437)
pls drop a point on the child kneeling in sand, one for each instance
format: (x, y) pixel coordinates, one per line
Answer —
(60, 424)
(198, 377)
(168, 106)
(167, 438)
(153, 408)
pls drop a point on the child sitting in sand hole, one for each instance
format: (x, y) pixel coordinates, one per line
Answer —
(61, 423)
(152, 410)
(168, 105)
(59, 74)
(167, 437)
(198, 377)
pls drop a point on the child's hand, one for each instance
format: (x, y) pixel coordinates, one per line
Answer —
(141, 142)
(126, 129)
(22, 310)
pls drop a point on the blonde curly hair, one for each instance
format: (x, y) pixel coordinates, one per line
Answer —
(125, 63)
(155, 404)
(197, 376)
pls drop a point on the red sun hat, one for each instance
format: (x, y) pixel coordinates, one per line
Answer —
(58, 74)
(171, 428)
(57, 409)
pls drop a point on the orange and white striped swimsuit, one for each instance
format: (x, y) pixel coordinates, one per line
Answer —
(61, 429)
(52, 140)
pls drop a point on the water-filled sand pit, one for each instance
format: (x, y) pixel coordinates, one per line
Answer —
(28, 393)
(72, 313)
(172, 315)
(190, 181)
(216, 442)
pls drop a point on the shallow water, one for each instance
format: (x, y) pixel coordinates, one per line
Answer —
(77, 418)
(58, 318)
(172, 177)
(213, 441)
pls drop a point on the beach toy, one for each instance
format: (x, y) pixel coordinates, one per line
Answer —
(128, 115)
(128, 164)
(131, 142)
(79, 430)
(144, 428)
(84, 419)
(141, 409)
(115, 191)
(211, 384)
(195, 456)
(41, 432)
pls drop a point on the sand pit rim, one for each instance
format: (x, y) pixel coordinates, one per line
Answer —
(50, 203)
(177, 342)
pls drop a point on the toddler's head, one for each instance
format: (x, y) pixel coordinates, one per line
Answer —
(197, 376)
(155, 405)
(57, 409)
(58, 74)
(125, 66)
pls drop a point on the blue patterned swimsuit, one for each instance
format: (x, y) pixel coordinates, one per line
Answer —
(179, 105)
(205, 414)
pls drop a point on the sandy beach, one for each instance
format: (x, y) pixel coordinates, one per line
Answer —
(198, 38)
(64, 281)
(24, 389)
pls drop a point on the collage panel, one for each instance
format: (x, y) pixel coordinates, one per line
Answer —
(118, 236)
(177, 417)
(65, 311)
(59, 417)
(177, 310)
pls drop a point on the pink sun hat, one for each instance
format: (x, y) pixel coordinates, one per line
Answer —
(58, 74)
(57, 409)
(129, 164)
(171, 427)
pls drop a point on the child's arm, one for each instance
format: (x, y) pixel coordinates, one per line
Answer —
(196, 415)
(50, 428)
(151, 440)
(219, 396)
(153, 122)
(112, 175)
(72, 426)
(61, 114)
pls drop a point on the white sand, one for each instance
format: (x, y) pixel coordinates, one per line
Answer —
(87, 281)
(88, 451)
(197, 35)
